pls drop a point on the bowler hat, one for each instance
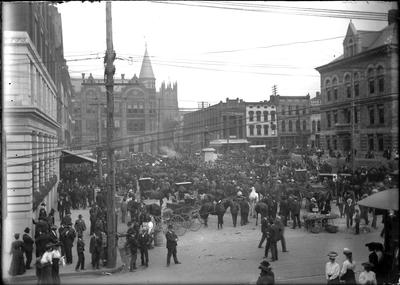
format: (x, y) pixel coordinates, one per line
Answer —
(27, 230)
(367, 264)
(332, 254)
(264, 265)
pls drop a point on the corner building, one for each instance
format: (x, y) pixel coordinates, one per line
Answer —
(359, 104)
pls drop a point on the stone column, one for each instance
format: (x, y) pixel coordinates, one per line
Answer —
(41, 159)
(35, 161)
(46, 158)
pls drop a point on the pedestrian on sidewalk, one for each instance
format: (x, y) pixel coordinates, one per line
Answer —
(367, 277)
(124, 209)
(296, 213)
(264, 230)
(234, 208)
(28, 247)
(50, 217)
(69, 237)
(95, 249)
(357, 221)
(67, 219)
(266, 277)
(132, 238)
(80, 248)
(347, 274)
(46, 262)
(172, 242)
(332, 269)
(281, 230)
(144, 243)
(53, 234)
(80, 225)
(56, 255)
(349, 212)
(17, 266)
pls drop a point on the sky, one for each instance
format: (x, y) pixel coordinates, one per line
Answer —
(214, 53)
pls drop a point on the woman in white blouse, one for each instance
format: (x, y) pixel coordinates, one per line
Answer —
(367, 277)
(332, 269)
(46, 275)
(348, 268)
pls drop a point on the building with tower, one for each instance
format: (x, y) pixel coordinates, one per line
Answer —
(142, 115)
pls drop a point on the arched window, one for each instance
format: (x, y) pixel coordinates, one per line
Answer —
(290, 126)
(265, 116)
(272, 116)
(381, 79)
(283, 126)
(251, 116)
(258, 115)
(251, 129)
(328, 89)
(304, 125)
(347, 82)
(351, 48)
(258, 130)
(356, 84)
(318, 126)
(266, 130)
(371, 81)
(335, 88)
(313, 126)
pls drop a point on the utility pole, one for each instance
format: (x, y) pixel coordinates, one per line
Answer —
(109, 81)
(352, 151)
(99, 137)
(158, 125)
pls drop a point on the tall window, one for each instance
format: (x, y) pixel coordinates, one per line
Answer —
(297, 125)
(283, 110)
(381, 80)
(380, 142)
(335, 88)
(283, 126)
(381, 114)
(251, 116)
(258, 130)
(334, 143)
(266, 130)
(328, 119)
(304, 125)
(347, 115)
(355, 115)
(297, 110)
(348, 86)
(370, 142)
(356, 85)
(251, 129)
(290, 110)
(351, 48)
(371, 115)
(258, 115)
(328, 142)
(273, 128)
(313, 126)
(371, 81)
(266, 116)
(290, 126)
(335, 118)
(272, 116)
(318, 126)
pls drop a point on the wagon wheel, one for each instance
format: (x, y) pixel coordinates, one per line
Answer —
(196, 222)
(178, 224)
(316, 227)
(187, 221)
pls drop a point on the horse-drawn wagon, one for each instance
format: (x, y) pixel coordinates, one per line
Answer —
(316, 222)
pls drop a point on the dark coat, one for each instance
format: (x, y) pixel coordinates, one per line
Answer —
(80, 246)
(234, 207)
(144, 240)
(95, 244)
(28, 242)
(171, 238)
(17, 262)
(266, 278)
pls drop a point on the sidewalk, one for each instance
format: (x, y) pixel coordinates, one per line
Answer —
(69, 270)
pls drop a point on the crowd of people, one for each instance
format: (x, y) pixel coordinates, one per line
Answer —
(228, 182)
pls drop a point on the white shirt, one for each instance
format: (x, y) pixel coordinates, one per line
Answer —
(47, 257)
(367, 276)
(56, 253)
(347, 265)
(332, 269)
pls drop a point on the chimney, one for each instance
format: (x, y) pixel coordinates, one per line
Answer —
(393, 16)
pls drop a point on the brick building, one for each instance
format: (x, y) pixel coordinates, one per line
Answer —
(315, 121)
(362, 83)
(33, 55)
(261, 124)
(142, 115)
(223, 123)
(293, 114)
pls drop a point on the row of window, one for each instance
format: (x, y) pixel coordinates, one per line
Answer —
(297, 110)
(315, 126)
(332, 142)
(259, 132)
(347, 115)
(258, 116)
(373, 80)
(290, 125)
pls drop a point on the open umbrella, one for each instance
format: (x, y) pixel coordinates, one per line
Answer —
(387, 200)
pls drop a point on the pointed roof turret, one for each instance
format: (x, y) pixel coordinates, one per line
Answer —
(146, 71)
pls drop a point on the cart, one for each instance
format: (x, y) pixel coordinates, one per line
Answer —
(316, 222)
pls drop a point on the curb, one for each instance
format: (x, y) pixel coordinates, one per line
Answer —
(13, 280)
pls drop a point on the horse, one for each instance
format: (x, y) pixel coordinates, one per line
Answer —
(262, 209)
(254, 198)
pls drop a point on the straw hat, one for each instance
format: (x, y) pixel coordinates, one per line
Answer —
(332, 254)
(346, 250)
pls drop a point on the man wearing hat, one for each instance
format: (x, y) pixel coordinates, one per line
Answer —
(349, 212)
(172, 242)
(266, 275)
(367, 277)
(364, 211)
(28, 247)
(332, 269)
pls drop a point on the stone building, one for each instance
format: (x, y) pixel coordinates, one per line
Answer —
(293, 114)
(224, 123)
(315, 121)
(261, 124)
(362, 83)
(140, 112)
(32, 49)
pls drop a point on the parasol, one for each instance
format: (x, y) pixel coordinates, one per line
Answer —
(387, 200)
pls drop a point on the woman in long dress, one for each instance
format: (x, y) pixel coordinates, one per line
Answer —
(348, 268)
(56, 255)
(17, 262)
(46, 264)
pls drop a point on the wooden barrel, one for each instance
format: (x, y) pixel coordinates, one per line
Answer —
(158, 238)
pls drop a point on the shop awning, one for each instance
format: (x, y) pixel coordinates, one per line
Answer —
(74, 157)
(386, 200)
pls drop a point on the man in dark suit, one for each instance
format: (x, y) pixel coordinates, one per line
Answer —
(349, 212)
(272, 238)
(69, 237)
(172, 242)
(144, 243)
(284, 210)
(295, 209)
(264, 226)
(95, 249)
(28, 247)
